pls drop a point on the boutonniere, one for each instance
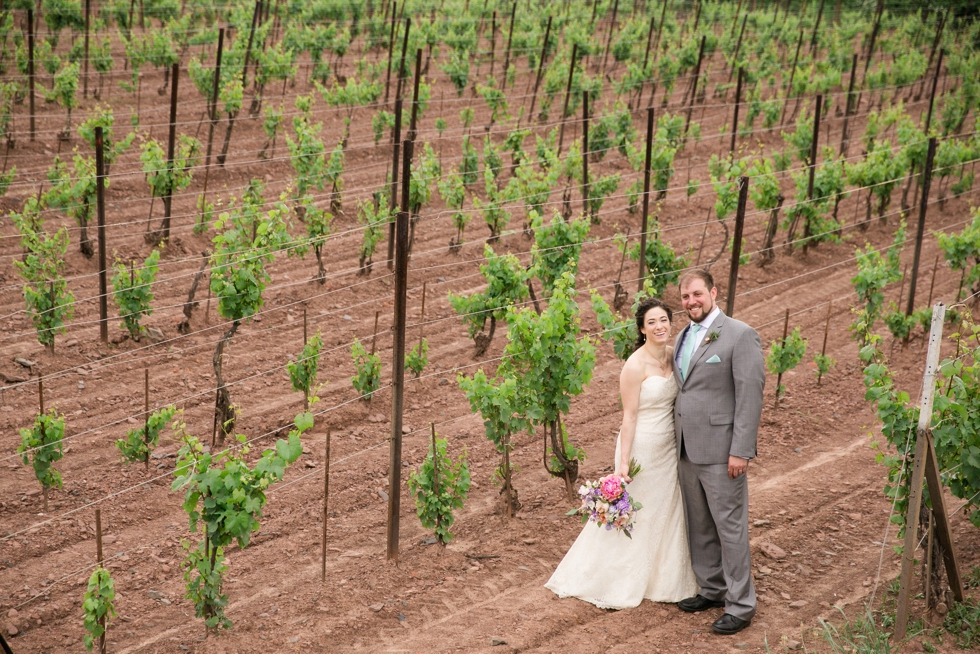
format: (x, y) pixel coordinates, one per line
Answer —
(711, 337)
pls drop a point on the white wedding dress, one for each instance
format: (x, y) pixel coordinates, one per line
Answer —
(612, 571)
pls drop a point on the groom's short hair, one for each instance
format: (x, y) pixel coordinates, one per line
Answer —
(703, 275)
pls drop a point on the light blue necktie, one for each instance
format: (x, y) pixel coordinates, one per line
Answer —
(689, 344)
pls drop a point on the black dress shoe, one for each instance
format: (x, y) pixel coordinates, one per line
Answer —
(728, 624)
(698, 603)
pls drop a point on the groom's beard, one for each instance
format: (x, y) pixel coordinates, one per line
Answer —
(705, 311)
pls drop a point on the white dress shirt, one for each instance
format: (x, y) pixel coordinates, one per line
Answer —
(704, 326)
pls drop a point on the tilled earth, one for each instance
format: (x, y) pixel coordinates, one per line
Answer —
(816, 491)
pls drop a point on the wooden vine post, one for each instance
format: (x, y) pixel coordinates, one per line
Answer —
(396, 133)
(100, 212)
(932, 93)
(779, 377)
(493, 41)
(398, 358)
(812, 165)
(585, 153)
(510, 37)
(612, 27)
(743, 195)
(792, 76)
(422, 316)
(30, 68)
(435, 473)
(537, 79)
(88, 9)
(374, 334)
(826, 330)
(248, 48)
(816, 27)
(920, 228)
(568, 92)
(738, 47)
(738, 101)
(646, 201)
(99, 559)
(694, 85)
(146, 416)
(326, 495)
(847, 107)
(925, 468)
(391, 49)
(932, 284)
(171, 146)
(401, 61)
(212, 118)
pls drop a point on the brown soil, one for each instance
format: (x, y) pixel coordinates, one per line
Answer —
(816, 491)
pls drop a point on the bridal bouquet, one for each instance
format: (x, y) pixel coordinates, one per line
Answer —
(607, 503)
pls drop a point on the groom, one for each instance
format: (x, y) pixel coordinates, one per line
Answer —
(716, 418)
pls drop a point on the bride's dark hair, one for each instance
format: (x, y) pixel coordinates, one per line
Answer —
(641, 314)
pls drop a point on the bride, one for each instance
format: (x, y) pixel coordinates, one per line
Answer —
(606, 568)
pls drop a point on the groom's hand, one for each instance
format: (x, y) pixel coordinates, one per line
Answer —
(737, 466)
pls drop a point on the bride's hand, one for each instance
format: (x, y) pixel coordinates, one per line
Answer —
(623, 473)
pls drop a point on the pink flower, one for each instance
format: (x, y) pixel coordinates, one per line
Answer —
(611, 487)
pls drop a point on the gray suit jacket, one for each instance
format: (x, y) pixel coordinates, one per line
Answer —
(718, 408)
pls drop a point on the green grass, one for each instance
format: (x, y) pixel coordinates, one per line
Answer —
(963, 623)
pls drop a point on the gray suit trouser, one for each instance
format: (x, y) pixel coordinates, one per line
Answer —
(716, 509)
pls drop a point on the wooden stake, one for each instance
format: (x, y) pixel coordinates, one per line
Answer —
(493, 41)
(326, 496)
(901, 286)
(398, 359)
(40, 394)
(920, 228)
(568, 91)
(826, 330)
(171, 145)
(510, 36)
(792, 75)
(401, 64)
(743, 194)
(100, 213)
(816, 26)
(694, 89)
(738, 100)
(435, 472)
(391, 49)
(612, 26)
(537, 79)
(932, 93)
(738, 47)
(248, 48)
(85, 83)
(212, 118)
(812, 163)
(847, 108)
(393, 193)
(146, 417)
(98, 556)
(924, 462)
(412, 131)
(779, 377)
(422, 318)
(374, 337)
(30, 68)
(585, 152)
(932, 284)
(646, 201)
